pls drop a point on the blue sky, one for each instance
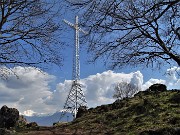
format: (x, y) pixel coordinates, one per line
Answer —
(45, 92)
(65, 72)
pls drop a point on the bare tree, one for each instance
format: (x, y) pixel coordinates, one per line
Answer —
(133, 32)
(29, 33)
(125, 90)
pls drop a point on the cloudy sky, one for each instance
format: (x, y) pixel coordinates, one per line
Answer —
(31, 90)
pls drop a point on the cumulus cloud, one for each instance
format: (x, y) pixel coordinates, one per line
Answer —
(152, 81)
(98, 89)
(58, 96)
(173, 77)
(29, 113)
(31, 93)
(137, 79)
(27, 90)
(173, 73)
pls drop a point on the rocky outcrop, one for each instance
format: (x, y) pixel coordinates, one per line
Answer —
(22, 122)
(81, 111)
(4, 131)
(157, 87)
(32, 125)
(8, 117)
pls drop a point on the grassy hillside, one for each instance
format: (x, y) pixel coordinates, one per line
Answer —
(147, 113)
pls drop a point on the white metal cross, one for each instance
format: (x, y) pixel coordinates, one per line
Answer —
(75, 97)
(76, 64)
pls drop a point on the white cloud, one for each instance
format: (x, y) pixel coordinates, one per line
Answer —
(98, 89)
(31, 94)
(152, 81)
(28, 113)
(137, 79)
(172, 73)
(173, 77)
(58, 97)
(26, 91)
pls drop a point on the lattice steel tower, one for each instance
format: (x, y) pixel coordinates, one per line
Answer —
(76, 96)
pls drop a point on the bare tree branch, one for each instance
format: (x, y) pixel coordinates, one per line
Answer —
(29, 33)
(125, 90)
(129, 32)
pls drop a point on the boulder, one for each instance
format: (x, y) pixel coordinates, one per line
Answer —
(157, 87)
(4, 131)
(32, 125)
(81, 111)
(8, 117)
(22, 122)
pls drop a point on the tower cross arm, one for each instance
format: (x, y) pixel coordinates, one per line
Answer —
(70, 24)
(75, 26)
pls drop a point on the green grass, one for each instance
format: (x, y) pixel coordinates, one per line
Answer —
(145, 111)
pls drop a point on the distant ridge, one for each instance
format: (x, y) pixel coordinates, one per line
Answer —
(49, 119)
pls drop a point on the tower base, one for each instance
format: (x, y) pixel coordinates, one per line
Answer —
(74, 100)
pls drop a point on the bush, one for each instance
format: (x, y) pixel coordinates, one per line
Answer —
(157, 87)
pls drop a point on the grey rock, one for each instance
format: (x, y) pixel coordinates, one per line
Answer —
(8, 117)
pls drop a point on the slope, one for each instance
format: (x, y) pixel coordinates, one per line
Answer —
(147, 113)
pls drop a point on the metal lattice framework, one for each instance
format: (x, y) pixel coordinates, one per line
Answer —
(75, 97)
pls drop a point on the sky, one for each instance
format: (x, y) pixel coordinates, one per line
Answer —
(37, 92)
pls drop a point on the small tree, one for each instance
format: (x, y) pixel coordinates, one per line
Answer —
(125, 90)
